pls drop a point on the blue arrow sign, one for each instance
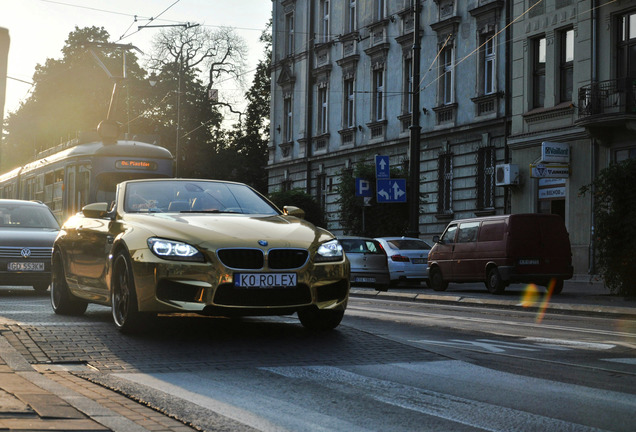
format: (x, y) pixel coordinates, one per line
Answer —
(391, 190)
(363, 187)
(382, 167)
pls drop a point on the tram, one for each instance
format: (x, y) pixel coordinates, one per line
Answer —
(83, 171)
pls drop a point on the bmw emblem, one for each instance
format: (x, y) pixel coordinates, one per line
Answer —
(26, 252)
(263, 242)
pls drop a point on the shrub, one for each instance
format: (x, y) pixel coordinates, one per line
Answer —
(614, 194)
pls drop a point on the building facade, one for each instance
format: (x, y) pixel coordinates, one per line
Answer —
(342, 84)
(542, 88)
(573, 83)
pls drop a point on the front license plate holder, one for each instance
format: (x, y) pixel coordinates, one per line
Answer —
(364, 279)
(25, 266)
(265, 280)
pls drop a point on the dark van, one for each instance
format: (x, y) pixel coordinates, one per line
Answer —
(499, 250)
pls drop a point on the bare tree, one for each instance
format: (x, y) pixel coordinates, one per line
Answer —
(215, 56)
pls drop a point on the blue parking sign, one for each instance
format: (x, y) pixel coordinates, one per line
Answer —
(363, 187)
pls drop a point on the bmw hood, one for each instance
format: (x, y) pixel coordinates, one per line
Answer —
(218, 230)
(27, 237)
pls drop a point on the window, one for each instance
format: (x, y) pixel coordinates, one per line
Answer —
(626, 52)
(349, 104)
(445, 184)
(486, 178)
(538, 75)
(287, 108)
(407, 91)
(351, 17)
(488, 56)
(289, 32)
(567, 64)
(380, 10)
(446, 76)
(449, 234)
(321, 191)
(378, 95)
(324, 6)
(468, 232)
(322, 109)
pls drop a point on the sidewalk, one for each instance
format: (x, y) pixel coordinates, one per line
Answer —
(581, 295)
(33, 398)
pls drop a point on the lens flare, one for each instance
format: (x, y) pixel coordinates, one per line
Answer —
(532, 298)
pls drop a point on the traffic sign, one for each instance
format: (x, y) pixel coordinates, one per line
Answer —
(382, 167)
(363, 187)
(391, 190)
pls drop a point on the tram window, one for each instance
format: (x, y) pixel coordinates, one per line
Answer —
(83, 185)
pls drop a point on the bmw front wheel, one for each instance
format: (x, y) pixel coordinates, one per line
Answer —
(126, 313)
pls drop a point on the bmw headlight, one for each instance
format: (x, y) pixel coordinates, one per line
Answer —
(329, 252)
(174, 250)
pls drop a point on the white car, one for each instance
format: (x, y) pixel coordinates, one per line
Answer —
(407, 257)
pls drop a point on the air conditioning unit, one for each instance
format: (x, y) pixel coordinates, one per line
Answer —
(507, 174)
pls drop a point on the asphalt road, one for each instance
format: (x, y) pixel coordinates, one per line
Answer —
(398, 365)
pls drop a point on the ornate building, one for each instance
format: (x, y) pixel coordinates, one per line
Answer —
(342, 80)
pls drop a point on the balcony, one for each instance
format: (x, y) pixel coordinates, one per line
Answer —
(607, 103)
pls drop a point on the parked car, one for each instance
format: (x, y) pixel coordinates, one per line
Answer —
(210, 247)
(408, 258)
(368, 260)
(499, 250)
(27, 232)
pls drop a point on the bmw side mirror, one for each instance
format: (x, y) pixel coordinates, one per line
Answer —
(95, 210)
(294, 211)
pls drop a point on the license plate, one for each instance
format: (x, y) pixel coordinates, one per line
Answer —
(364, 279)
(265, 280)
(418, 260)
(25, 266)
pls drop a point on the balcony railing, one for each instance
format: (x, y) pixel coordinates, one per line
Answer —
(617, 96)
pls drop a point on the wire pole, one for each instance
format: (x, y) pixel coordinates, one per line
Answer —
(414, 151)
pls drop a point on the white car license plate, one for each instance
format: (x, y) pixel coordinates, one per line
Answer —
(418, 260)
(25, 266)
(265, 280)
(364, 279)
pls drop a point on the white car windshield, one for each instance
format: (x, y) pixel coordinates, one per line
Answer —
(188, 196)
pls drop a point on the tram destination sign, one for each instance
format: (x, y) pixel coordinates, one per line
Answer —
(136, 164)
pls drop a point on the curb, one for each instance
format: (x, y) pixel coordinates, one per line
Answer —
(531, 306)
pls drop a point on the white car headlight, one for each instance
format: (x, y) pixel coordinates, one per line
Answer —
(329, 252)
(174, 250)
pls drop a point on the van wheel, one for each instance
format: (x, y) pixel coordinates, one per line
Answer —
(494, 284)
(558, 286)
(436, 281)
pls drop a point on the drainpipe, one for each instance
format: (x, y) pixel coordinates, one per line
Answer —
(594, 144)
(507, 101)
(309, 94)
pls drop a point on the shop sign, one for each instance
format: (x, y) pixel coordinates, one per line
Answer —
(555, 152)
(549, 171)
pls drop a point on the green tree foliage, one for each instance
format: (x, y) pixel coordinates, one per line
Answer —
(615, 232)
(69, 95)
(380, 219)
(243, 155)
(302, 200)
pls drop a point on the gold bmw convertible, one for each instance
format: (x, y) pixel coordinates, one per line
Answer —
(210, 247)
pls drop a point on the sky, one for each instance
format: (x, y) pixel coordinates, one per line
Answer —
(39, 28)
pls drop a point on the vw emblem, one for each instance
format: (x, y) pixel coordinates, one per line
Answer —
(263, 242)
(26, 252)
